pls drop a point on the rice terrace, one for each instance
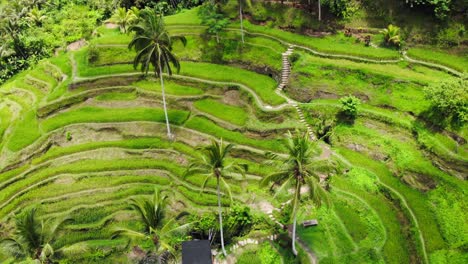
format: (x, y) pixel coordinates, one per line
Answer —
(251, 132)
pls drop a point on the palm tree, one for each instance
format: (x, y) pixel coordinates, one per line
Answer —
(33, 238)
(36, 16)
(319, 11)
(242, 2)
(297, 170)
(123, 18)
(213, 165)
(153, 45)
(153, 215)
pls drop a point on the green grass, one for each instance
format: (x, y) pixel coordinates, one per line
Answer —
(89, 166)
(95, 114)
(183, 18)
(25, 133)
(116, 96)
(111, 36)
(232, 114)
(399, 71)
(86, 70)
(170, 87)
(112, 55)
(457, 62)
(204, 125)
(262, 85)
(135, 143)
(333, 44)
(5, 120)
(415, 199)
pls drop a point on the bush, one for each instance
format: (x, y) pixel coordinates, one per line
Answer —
(294, 57)
(238, 221)
(449, 100)
(93, 54)
(349, 106)
(392, 35)
(451, 36)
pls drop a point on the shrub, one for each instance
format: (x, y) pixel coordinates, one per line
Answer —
(349, 106)
(392, 35)
(451, 36)
(449, 100)
(294, 57)
(238, 221)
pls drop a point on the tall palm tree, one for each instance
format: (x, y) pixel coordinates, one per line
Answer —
(297, 170)
(33, 238)
(152, 213)
(123, 18)
(213, 164)
(319, 11)
(242, 2)
(153, 45)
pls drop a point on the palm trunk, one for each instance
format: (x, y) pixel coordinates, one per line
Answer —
(241, 22)
(294, 236)
(169, 135)
(296, 201)
(220, 217)
(319, 11)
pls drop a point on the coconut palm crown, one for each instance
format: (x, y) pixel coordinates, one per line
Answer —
(153, 46)
(32, 237)
(213, 164)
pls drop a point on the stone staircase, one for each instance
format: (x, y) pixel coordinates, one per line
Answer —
(286, 69)
(285, 74)
(303, 121)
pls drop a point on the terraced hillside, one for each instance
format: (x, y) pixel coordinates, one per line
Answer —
(82, 136)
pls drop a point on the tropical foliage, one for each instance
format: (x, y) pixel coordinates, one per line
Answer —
(392, 35)
(157, 228)
(349, 106)
(450, 99)
(153, 46)
(33, 238)
(211, 17)
(124, 18)
(213, 164)
(300, 168)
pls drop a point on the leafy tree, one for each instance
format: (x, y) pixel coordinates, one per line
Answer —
(152, 213)
(153, 45)
(213, 165)
(392, 35)
(349, 106)
(123, 18)
(450, 99)
(441, 7)
(340, 8)
(211, 17)
(33, 238)
(299, 168)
